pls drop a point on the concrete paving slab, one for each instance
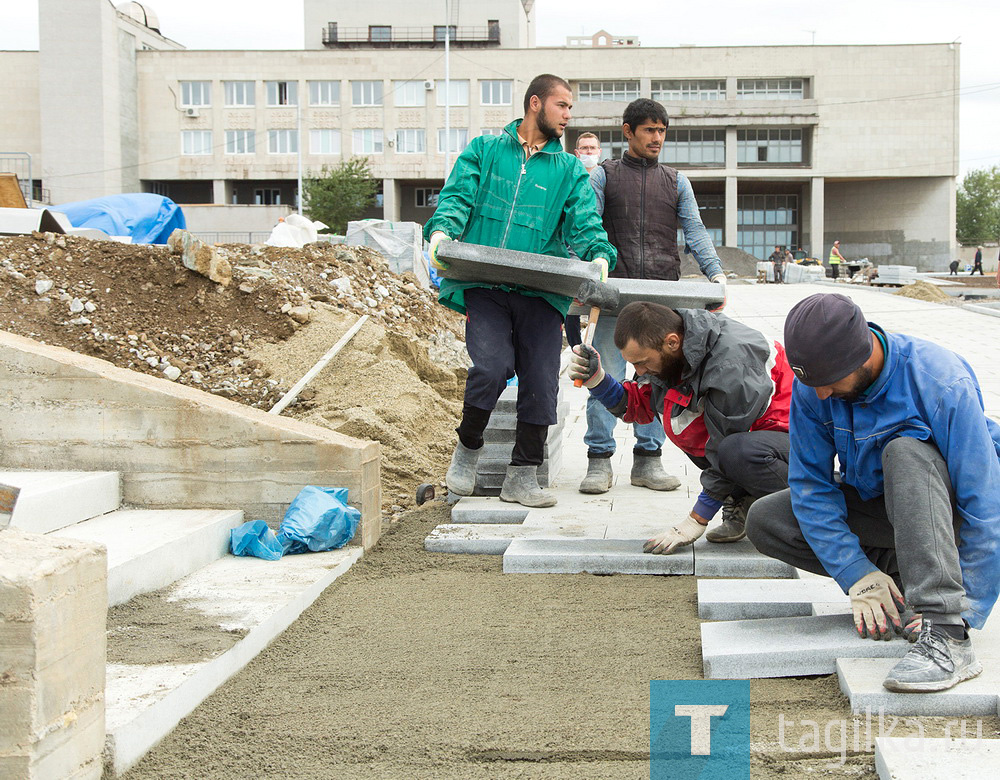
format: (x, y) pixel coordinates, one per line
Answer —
(50, 500)
(493, 539)
(736, 559)
(861, 681)
(475, 510)
(752, 599)
(676, 295)
(786, 647)
(902, 758)
(593, 556)
(144, 703)
(149, 549)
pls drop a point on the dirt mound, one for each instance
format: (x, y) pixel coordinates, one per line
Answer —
(736, 260)
(399, 382)
(924, 291)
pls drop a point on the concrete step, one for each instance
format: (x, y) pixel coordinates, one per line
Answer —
(145, 702)
(150, 548)
(50, 500)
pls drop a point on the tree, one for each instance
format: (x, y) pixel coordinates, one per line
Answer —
(978, 212)
(340, 193)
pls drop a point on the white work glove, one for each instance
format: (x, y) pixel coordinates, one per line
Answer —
(602, 262)
(684, 533)
(720, 279)
(876, 603)
(585, 365)
(436, 238)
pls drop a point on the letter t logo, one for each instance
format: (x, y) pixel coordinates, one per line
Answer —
(701, 724)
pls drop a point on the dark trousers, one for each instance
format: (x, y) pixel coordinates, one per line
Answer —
(910, 532)
(506, 334)
(573, 330)
(756, 461)
(977, 267)
(835, 270)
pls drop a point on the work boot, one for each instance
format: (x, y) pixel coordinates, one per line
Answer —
(520, 486)
(647, 471)
(461, 477)
(734, 521)
(598, 479)
(935, 663)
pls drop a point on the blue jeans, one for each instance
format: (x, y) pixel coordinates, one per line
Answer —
(600, 422)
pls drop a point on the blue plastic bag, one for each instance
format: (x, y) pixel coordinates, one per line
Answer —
(318, 519)
(256, 539)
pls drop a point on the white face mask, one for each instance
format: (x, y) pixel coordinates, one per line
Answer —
(589, 160)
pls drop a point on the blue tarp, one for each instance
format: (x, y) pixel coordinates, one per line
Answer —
(147, 218)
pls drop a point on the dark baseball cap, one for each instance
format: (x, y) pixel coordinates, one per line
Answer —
(826, 338)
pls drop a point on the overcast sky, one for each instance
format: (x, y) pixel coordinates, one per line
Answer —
(975, 24)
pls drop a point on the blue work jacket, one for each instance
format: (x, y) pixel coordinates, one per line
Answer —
(925, 392)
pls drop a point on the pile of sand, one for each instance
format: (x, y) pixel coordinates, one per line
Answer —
(924, 291)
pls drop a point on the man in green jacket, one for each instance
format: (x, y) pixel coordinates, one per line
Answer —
(519, 191)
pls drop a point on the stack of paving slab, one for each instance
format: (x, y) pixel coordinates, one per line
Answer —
(184, 553)
(897, 274)
(499, 441)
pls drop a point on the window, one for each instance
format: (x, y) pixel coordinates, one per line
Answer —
(282, 93)
(240, 142)
(196, 141)
(770, 89)
(613, 144)
(496, 93)
(267, 197)
(439, 33)
(608, 90)
(701, 89)
(324, 141)
(768, 146)
(409, 93)
(239, 93)
(379, 33)
(196, 93)
(282, 142)
(491, 131)
(366, 93)
(458, 141)
(411, 141)
(767, 221)
(695, 147)
(426, 197)
(459, 92)
(368, 141)
(324, 93)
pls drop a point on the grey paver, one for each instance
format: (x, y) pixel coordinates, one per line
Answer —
(786, 647)
(736, 559)
(750, 599)
(901, 758)
(595, 556)
(493, 538)
(488, 512)
(676, 295)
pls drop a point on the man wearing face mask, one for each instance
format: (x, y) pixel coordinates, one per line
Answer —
(643, 204)
(720, 392)
(588, 149)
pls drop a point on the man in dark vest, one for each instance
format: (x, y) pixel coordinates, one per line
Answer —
(643, 204)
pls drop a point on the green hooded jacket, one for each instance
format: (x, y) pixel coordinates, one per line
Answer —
(494, 197)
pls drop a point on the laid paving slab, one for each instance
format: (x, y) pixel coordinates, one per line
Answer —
(861, 681)
(902, 758)
(786, 647)
(752, 599)
(593, 556)
(479, 510)
(736, 559)
(50, 500)
(493, 539)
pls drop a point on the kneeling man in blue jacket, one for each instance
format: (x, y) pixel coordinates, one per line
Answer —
(910, 528)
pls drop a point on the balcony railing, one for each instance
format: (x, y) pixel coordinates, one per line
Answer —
(409, 37)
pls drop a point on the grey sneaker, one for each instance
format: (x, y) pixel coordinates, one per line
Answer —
(647, 471)
(461, 477)
(935, 663)
(520, 486)
(599, 474)
(734, 521)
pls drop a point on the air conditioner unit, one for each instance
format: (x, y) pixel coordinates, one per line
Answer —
(428, 85)
(190, 112)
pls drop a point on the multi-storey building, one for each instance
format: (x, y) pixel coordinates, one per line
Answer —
(792, 145)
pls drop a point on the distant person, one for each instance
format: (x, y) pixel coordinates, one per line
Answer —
(977, 262)
(588, 151)
(835, 260)
(953, 268)
(777, 259)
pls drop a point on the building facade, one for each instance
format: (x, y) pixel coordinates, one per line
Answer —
(793, 145)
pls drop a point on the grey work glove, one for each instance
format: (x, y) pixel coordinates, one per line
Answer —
(876, 603)
(585, 365)
(686, 532)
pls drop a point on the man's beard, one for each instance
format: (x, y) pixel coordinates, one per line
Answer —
(543, 125)
(865, 379)
(671, 369)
